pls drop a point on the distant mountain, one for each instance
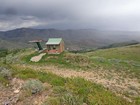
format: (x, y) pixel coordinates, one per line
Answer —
(121, 44)
(74, 39)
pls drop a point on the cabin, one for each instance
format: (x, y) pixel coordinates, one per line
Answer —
(55, 46)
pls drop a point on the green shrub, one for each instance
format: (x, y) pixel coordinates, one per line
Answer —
(3, 52)
(26, 74)
(59, 90)
(5, 73)
(52, 101)
(138, 101)
(51, 78)
(4, 81)
(33, 86)
(77, 58)
(69, 99)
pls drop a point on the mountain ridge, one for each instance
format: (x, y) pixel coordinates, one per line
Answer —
(74, 39)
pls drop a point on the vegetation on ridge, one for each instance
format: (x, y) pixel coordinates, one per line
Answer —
(62, 90)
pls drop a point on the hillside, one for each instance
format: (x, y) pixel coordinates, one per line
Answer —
(106, 76)
(74, 39)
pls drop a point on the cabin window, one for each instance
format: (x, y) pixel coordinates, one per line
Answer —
(54, 47)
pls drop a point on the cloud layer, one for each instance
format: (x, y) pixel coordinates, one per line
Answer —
(70, 14)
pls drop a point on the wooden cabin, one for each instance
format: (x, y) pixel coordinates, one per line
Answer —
(55, 46)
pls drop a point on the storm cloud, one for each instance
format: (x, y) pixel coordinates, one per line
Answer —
(70, 14)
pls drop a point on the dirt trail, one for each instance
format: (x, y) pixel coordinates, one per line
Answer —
(37, 58)
(111, 80)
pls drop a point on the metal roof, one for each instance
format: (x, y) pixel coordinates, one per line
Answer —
(55, 41)
(34, 41)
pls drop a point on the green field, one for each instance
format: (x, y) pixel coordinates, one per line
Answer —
(122, 58)
(123, 53)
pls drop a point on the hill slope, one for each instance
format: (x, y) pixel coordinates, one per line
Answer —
(116, 69)
(107, 76)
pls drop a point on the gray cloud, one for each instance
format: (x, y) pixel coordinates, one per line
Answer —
(10, 11)
(65, 14)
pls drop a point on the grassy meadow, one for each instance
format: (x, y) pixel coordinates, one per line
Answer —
(75, 90)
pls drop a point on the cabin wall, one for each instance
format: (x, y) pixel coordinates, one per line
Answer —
(61, 46)
(51, 50)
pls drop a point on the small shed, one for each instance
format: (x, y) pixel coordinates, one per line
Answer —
(55, 46)
(38, 43)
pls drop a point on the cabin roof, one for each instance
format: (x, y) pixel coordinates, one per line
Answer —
(54, 41)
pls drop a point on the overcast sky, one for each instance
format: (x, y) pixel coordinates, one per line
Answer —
(70, 14)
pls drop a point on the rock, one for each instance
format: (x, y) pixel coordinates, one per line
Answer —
(133, 93)
(36, 103)
(6, 103)
(15, 99)
(16, 91)
(84, 104)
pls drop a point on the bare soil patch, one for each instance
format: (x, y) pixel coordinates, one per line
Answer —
(37, 58)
